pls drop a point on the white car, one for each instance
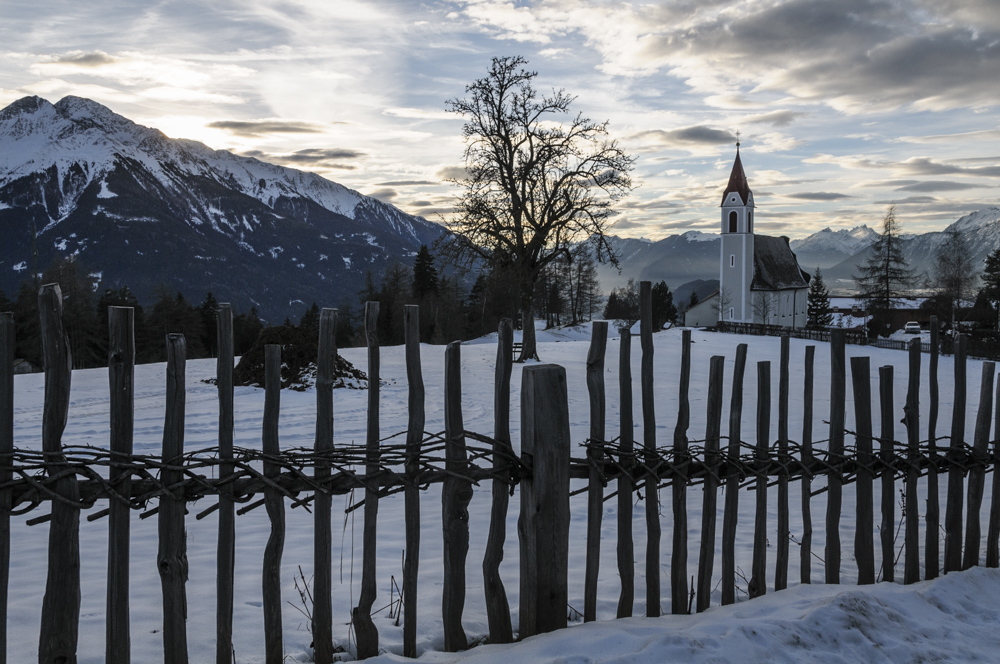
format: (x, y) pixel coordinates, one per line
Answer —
(912, 328)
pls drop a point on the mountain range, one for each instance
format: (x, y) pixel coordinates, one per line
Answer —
(690, 261)
(139, 209)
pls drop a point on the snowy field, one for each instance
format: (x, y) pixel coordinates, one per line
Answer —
(951, 619)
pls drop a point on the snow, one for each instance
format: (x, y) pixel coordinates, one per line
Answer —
(950, 619)
(105, 192)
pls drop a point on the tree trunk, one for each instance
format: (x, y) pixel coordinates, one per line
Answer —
(528, 349)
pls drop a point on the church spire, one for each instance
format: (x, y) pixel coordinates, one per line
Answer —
(737, 180)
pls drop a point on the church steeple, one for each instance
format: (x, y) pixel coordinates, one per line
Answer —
(737, 181)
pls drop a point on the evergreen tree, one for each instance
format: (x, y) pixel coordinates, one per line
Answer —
(885, 275)
(246, 328)
(5, 303)
(425, 276)
(79, 317)
(27, 328)
(309, 323)
(693, 300)
(623, 305)
(208, 311)
(663, 308)
(991, 279)
(818, 303)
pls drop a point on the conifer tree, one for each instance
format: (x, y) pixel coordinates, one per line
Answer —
(818, 303)
(664, 309)
(991, 279)
(885, 275)
(425, 276)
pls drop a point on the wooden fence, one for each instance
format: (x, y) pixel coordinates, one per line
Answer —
(72, 478)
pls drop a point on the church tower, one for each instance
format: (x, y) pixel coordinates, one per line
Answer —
(737, 260)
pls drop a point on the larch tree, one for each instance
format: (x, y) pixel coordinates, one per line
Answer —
(955, 272)
(885, 275)
(534, 186)
(818, 303)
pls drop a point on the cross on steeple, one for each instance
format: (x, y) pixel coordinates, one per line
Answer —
(737, 139)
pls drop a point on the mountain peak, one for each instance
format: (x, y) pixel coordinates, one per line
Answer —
(24, 106)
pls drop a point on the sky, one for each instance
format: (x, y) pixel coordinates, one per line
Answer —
(842, 108)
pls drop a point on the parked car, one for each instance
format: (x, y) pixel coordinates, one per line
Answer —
(911, 328)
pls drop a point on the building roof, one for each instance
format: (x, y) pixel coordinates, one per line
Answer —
(775, 265)
(737, 181)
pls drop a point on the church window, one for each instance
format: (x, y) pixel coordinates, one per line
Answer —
(731, 313)
(750, 221)
(732, 260)
(732, 221)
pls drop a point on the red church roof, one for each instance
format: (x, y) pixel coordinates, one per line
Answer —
(737, 181)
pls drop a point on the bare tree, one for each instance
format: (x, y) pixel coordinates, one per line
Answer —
(955, 273)
(722, 305)
(533, 187)
(764, 306)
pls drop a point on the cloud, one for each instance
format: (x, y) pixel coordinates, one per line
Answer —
(452, 173)
(817, 196)
(407, 183)
(82, 59)
(982, 135)
(686, 137)
(937, 185)
(254, 128)
(385, 194)
(775, 118)
(420, 114)
(310, 157)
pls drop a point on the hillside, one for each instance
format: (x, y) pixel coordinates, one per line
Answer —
(140, 209)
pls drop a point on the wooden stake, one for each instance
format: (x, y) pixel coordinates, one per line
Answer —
(274, 503)
(781, 557)
(834, 502)
(226, 553)
(679, 553)
(456, 493)
(864, 546)
(805, 554)
(497, 606)
(977, 474)
(956, 475)
(758, 581)
(932, 562)
(652, 497)
(713, 430)
(626, 549)
(595, 455)
(729, 517)
(326, 371)
(121, 390)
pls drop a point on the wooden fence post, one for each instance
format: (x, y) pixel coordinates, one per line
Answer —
(274, 503)
(60, 626)
(595, 456)
(456, 493)
(932, 562)
(758, 581)
(171, 557)
(326, 371)
(993, 534)
(497, 607)
(679, 554)
(887, 457)
(911, 565)
(7, 346)
(729, 517)
(834, 503)
(121, 384)
(864, 546)
(364, 628)
(956, 474)
(544, 519)
(226, 553)
(977, 474)
(651, 458)
(713, 431)
(626, 548)
(414, 440)
(805, 554)
(781, 557)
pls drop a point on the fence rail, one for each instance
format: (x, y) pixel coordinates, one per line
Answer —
(71, 478)
(983, 349)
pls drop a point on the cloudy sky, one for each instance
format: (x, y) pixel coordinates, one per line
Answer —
(843, 107)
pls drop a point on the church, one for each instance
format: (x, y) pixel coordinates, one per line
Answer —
(760, 280)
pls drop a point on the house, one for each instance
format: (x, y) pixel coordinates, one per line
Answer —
(760, 278)
(704, 313)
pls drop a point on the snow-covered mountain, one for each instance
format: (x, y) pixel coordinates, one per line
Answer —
(692, 259)
(145, 210)
(827, 248)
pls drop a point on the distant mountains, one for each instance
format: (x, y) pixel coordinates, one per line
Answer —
(143, 210)
(690, 261)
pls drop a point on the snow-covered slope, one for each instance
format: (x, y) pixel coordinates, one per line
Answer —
(827, 247)
(94, 184)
